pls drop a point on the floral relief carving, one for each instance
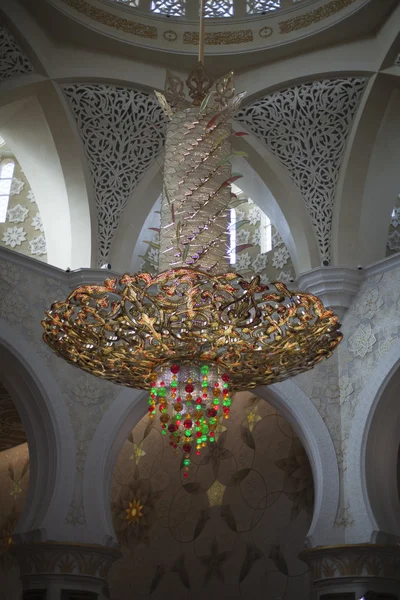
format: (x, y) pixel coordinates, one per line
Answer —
(306, 128)
(14, 236)
(23, 239)
(17, 185)
(369, 304)
(362, 340)
(13, 61)
(17, 214)
(122, 131)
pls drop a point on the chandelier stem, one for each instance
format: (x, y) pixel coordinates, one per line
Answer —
(201, 33)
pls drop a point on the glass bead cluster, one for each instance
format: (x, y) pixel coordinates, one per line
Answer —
(191, 400)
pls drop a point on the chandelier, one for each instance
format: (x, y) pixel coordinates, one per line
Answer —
(196, 332)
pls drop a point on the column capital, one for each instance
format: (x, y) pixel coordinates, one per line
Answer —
(336, 286)
(356, 568)
(64, 565)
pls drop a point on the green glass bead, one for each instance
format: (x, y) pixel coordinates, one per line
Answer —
(228, 402)
(204, 384)
(216, 401)
(197, 428)
(188, 433)
(149, 401)
(186, 462)
(153, 390)
(204, 369)
(198, 406)
(174, 384)
(212, 439)
(204, 429)
(162, 392)
(164, 432)
(212, 421)
(204, 438)
(226, 385)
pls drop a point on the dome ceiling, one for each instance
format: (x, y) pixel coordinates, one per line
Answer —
(254, 31)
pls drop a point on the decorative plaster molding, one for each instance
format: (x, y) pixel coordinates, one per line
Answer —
(13, 60)
(358, 560)
(306, 128)
(336, 286)
(111, 20)
(219, 38)
(54, 558)
(382, 266)
(123, 132)
(313, 16)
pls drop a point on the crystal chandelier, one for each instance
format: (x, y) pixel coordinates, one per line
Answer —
(196, 332)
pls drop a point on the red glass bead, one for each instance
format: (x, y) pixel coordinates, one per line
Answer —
(175, 445)
(217, 384)
(162, 384)
(172, 427)
(198, 452)
(151, 408)
(189, 388)
(187, 424)
(212, 412)
(204, 395)
(198, 434)
(187, 448)
(225, 377)
(225, 392)
(175, 369)
(186, 474)
(226, 410)
(198, 400)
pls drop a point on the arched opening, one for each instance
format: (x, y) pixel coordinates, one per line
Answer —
(236, 525)
(382, 463)
(14, 480)
(44, 416)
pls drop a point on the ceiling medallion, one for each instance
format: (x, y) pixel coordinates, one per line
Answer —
(170, 35)
(196, 332)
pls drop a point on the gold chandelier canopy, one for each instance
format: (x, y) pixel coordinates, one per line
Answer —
(196, 332)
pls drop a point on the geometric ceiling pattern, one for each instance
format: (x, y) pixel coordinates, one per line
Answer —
(306, 127)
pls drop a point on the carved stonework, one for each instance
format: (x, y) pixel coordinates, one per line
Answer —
(355, 560)
(123, 132)
(53, 558)
(306, 128)
(13, 61)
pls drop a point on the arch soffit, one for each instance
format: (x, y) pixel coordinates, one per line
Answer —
(136, 212)
(41, 134)
(130, 406)
(360, 223)
(374, 435)
(269, 184)
(46, 421)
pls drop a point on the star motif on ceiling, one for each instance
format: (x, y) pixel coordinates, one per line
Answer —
(137, 453)
(252, 416)
(215, 493)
